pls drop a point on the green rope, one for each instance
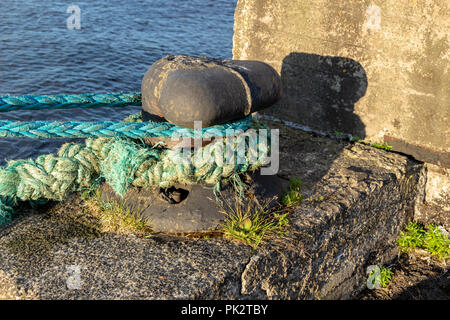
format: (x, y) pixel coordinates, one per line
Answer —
(67, 101)
(122, 163)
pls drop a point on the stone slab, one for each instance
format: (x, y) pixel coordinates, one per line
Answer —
(368, 197)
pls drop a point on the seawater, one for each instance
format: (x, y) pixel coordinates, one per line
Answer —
(42, 53)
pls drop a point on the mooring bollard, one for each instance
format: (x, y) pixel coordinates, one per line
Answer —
(183, 89)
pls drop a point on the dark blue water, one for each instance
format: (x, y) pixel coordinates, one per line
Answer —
(116, 44)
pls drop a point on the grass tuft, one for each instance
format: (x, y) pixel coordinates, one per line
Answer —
(116, 217)
(253, 223)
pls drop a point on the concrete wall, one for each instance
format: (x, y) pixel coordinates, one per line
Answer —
(378, 69)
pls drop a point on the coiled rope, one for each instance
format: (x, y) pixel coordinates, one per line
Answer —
(120, 162)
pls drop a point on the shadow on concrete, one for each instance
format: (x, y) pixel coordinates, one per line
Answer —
(322, 91)
(432, 288)
(319, 92)
(413, 279)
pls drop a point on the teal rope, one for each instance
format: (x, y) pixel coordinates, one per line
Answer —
(109, 129)
(84, 129)
(67, 101)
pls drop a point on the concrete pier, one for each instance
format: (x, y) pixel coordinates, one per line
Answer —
(366, 199)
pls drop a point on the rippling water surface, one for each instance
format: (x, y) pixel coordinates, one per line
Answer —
(116, 44)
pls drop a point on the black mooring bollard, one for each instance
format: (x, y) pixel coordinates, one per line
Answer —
(183, 89)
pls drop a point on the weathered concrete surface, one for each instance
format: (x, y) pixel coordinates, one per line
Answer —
(433, 202)
(377, 69)
(198, 211)
(35, 262)
(368, 198)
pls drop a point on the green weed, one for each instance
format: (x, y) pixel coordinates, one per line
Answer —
(437, 242)
(385, 146)
(293, 196)
(318, 199)
(433, 239)
(412, 238)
